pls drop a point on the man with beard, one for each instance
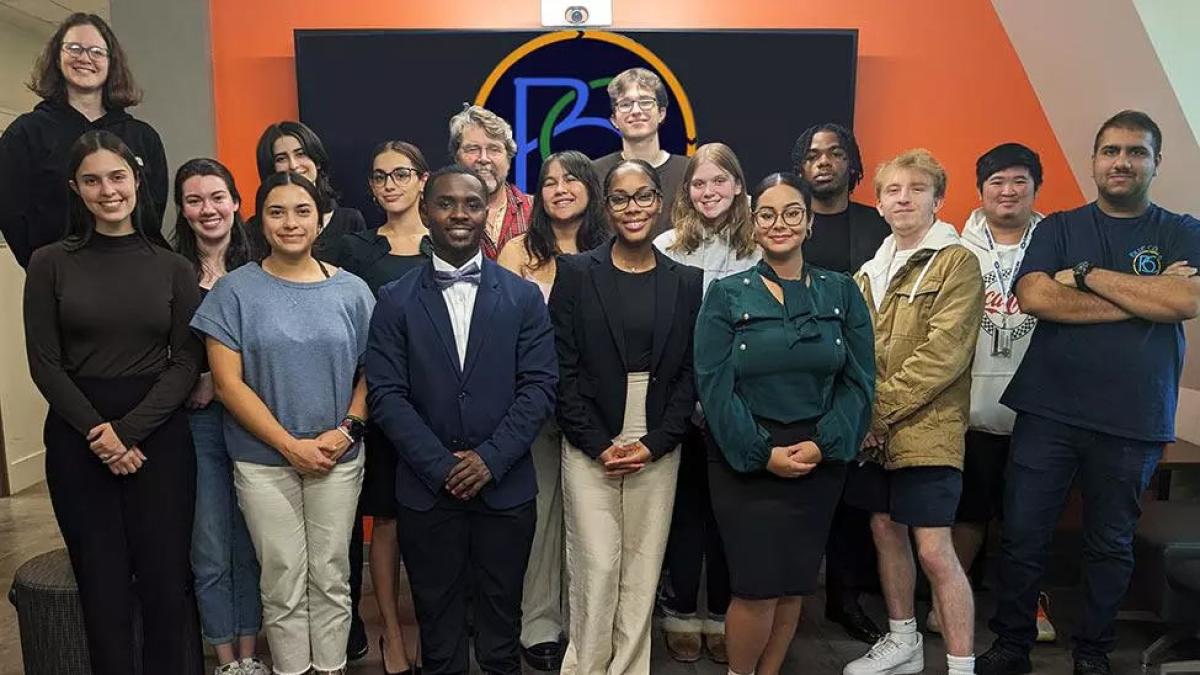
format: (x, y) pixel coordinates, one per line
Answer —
(845, 234)
(482, 141)
(461, 371)
(1110, 284)
(639, 105)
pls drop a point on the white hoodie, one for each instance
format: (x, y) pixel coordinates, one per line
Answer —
(991, 374)
(880, 269)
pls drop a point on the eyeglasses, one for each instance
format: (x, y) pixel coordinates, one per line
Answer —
(492, 149)
(792, 216)
(643, 104)
(76, 51)
(401, 175)
(619, 201)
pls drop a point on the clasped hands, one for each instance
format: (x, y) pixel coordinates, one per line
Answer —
(121, 461)
(469, 476)
(793, 461)
(623, 460)
(317, 456)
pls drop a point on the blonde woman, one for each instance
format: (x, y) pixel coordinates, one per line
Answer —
(713, 231)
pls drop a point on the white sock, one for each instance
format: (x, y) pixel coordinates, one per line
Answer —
(960, 665)
(733, 672)
(905, 630)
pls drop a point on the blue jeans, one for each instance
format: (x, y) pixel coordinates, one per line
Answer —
(1113, 473)
(223, 561)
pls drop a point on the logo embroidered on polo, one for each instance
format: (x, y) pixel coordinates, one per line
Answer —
(1146, 261)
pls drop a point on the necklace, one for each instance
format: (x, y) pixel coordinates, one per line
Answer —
(632, 267)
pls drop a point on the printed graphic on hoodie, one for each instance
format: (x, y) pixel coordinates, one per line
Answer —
(996, 312)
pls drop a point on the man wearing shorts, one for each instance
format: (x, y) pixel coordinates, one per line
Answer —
(926, 299)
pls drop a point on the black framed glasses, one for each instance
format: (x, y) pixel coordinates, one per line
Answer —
(76, 51)
(792, 216)
(619, 201)
(643, 104)
(402, 175)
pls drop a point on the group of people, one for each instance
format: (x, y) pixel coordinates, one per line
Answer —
(649, 365)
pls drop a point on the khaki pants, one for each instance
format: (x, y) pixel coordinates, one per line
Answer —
(300, 526)
(616, 537)
(542, 599)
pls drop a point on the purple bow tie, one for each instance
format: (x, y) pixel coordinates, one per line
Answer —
(469, 274)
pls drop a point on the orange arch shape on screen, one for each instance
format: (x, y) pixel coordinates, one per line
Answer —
(669, 78)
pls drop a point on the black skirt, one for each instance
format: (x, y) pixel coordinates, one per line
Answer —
(379, 475)
(774, 528)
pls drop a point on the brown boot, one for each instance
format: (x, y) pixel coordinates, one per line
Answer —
(683, 647)
(714, 640)
(714, 646)
(683, 638)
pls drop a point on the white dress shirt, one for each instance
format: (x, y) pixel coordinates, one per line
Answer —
(460, 303)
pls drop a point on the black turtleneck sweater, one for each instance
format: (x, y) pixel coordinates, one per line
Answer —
(34, 152)
(117, 307)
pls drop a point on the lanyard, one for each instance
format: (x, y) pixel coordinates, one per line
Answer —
(1006, 289)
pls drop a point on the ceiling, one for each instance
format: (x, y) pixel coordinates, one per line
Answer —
(45, 15)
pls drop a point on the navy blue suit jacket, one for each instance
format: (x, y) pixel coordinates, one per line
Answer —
(495, 404)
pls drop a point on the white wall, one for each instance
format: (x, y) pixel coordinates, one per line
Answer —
(1088, 59)
(1171, 25)
(174, 69)
(22, 409)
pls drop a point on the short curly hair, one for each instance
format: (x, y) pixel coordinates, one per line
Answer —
(845, 139)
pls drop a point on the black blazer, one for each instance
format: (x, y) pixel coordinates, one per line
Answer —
(585, 310)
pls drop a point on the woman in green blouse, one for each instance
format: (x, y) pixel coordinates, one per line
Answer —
(785, 370)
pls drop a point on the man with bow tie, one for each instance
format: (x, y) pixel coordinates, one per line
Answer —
(462, 370)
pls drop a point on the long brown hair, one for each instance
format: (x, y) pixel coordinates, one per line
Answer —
(735, 225)
(241, 249)
(48, 82)
(81, 223)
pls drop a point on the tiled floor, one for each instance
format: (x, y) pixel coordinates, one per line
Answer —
(27, 528)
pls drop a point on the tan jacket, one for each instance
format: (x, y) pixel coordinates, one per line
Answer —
(926, 326)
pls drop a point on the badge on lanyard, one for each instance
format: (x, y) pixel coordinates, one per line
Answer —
(1001, 333)
(1002, 339)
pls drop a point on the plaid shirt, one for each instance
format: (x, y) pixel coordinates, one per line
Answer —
(516, 221)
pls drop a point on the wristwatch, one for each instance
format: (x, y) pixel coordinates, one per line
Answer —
(1081, 271)
(354, 427)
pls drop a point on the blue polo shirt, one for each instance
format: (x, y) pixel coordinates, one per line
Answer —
(1119, 378)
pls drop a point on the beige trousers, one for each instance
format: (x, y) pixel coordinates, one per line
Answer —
(542, 601)
(616, 538)
(300, 526)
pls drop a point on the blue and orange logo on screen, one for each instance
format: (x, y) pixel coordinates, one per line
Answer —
(553, 89)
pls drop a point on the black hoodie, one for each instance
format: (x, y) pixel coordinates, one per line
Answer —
(33, 166)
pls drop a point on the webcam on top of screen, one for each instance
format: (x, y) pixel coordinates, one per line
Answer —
(576, 13)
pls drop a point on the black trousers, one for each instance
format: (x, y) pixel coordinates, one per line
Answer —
(694, 537)
(850, 559)
(129, 536)
(459, 547)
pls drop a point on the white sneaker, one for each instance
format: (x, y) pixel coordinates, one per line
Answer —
(1045, 629)
(252, 666)
(890, 656)
(234, 668)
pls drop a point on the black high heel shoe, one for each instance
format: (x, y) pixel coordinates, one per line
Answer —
(383, 662)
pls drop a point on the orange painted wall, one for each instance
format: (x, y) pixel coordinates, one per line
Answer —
(931, 73)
